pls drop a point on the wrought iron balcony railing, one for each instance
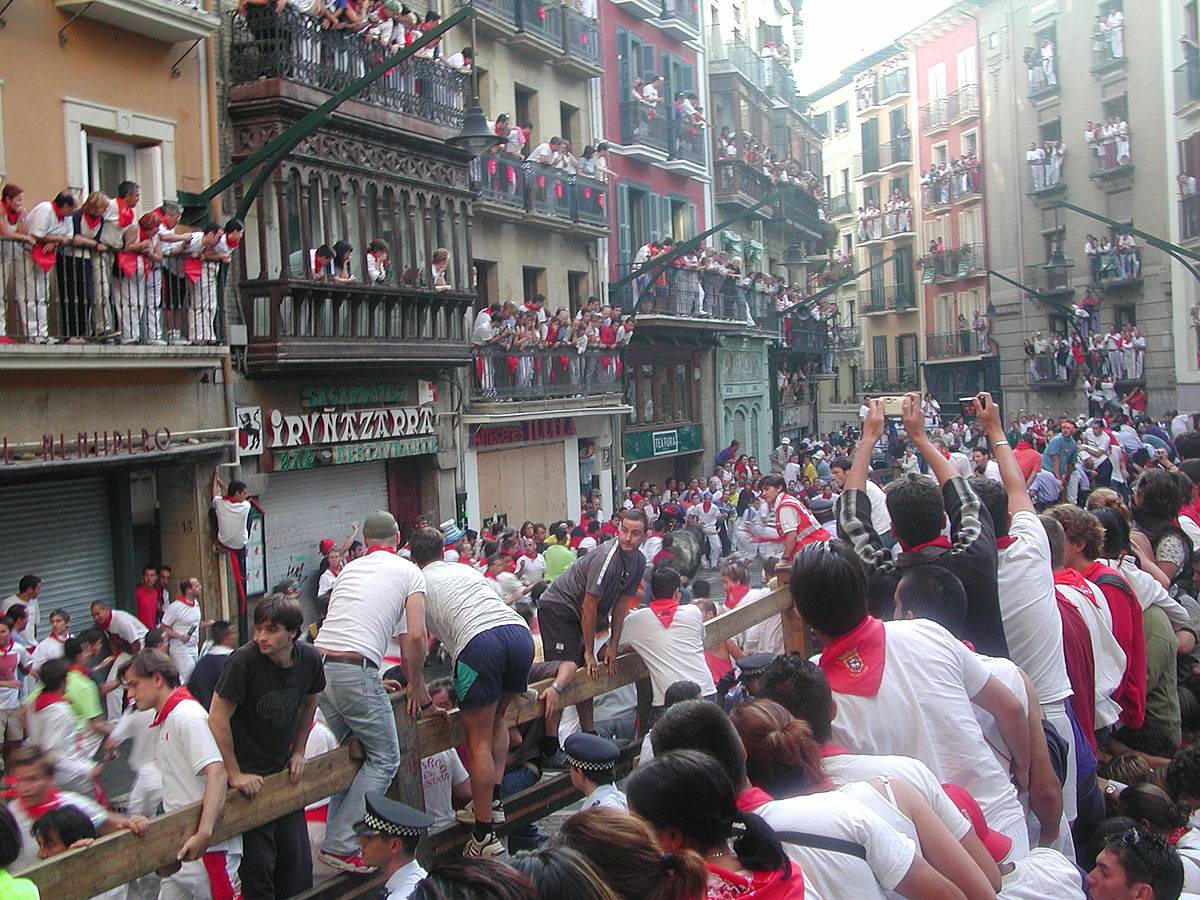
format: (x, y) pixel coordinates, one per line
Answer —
(538, 188)
(1047, 177)
(550, 373)
(886, 298)
(963, 103)
(1189, 217)
(882, 380)
(687, 141)
(739, 183)
(1187, 81)
(894, 84)
(935, 115)
(950, 344)
(642, 124)
(841, 205)
(1050, 279)
(684, 11)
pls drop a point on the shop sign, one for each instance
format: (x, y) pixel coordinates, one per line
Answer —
(351, 426)
(87, 445)
(319, 457)
(250, 431)
(326, 396)
(668, 442)
(520, 432)
(795, 415)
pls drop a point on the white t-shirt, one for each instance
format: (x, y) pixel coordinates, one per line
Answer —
(46, 650)
(587, 543)
(54, 729)
(923, 709)
(29, 845)
(320, 740)
(706, 517)
(231, 522)
(404, 881)
(671, 653)
(31, 609)
(1028, 609)
(847, 768)
(530, 569)
(1148, 590)
(128, 628)
(889, 853)
(325, 582)
(134, 725)
(1040, 874)
(440, 773)
(608, 796)
(184, 617)
(367, 605)
(460, 604)
(1191, 529)
(1006, 672)
(10, 662)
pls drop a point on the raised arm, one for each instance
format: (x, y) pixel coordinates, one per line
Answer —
(913, 419)
(1010, 472)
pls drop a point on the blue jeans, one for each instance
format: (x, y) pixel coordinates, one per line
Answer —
(355, 704)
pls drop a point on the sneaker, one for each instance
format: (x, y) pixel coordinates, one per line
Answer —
(489, 848)
(558, 761)
(352, 863)
(467, 813)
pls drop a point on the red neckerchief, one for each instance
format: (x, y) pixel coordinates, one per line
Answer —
(124, 214)
(58, 212)
(80, 669)
(1003, 543)
(853, 663)
(177, 696)
(46, 698)
(60, 640)
(108, 621)
(832, 749)
(1075, 579)
(752, 798)
(92, 221)
(186, 602)
(940, 541)
(232, 245)
(230, 498)
(13, 216)
(372, 549)
(38, 810)
(7, 647)
(665, 610)
(735, 595)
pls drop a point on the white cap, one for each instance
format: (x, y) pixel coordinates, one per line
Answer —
(786, 441)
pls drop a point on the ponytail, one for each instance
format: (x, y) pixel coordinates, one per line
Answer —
(686, 876)
(782, 756)
(757, 846)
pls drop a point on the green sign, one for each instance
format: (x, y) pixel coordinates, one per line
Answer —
(666, 442)
(344, 454)
(353, 395)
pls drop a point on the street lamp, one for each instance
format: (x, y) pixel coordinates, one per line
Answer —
(475, 138)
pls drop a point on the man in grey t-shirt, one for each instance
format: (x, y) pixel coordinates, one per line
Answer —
(602, 584)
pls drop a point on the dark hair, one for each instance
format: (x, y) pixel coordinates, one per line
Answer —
(823, 570)
(154, 638)
(1187, 445)
(281, 610)
(234, 225)
(54, 674)
(236, 486)
(700, 588)
(125, 188)
(10, 838)
(67, 822)
(1148, 859)
(72, 647)
(799, 686)
(637, 515)
(1116, 532)
(474, 879)
(9, 191)
(680, 691)
(1081, 527)
(27, 582)
(149, 663)
(700, 725)
(625, 851)
(1182, 778)
(1186, 486)
(664, 793)
(993, 495)
(664, 583)
(775, 481)
(931, 592)
(1157, 494)
(90, 636)
(1152, 805)
(425, 545)
(915, 505)
(17, 612)
(841, 462)
(593, 527)
(341, 252)
(1057, 539)
(562, 872)
(782, 755)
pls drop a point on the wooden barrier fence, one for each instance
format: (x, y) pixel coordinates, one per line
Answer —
(116, 859)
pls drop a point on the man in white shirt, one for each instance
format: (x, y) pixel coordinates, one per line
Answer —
(707, 514)
(126, 636)
(491, 650)
(53, 646)
(547, 152)
(669, 638)
(232, 509)
(881, 520)
(28, 590)
(892, 862)
(1036, 157)
(592, 760)
(51, 226)
(192, 772)
(910, 688)
(181, 627)
(376, 596)
(15, 662)
(388, 835)
(983, 464)
(445, 783)
(146, 793)
(54, 729)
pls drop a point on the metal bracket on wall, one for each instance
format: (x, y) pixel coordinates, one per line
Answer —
(3, 22)
(62, 32)
(175, 72)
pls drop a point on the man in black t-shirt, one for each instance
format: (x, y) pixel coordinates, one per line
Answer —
(261, 715)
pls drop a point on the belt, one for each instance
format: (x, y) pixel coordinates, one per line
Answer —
(349, 657)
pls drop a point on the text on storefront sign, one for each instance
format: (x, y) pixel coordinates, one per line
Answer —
(353, 395)
(346, 427)
(91, 445)
(520, 432)
(316, 457)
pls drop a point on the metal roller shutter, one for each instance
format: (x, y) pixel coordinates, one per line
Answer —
(304, 507)
(60, 531)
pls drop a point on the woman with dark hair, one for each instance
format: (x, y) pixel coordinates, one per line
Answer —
(474, 878)
(1151, 807)
(743, 855)
(785, 760)
(624, 850)
(342, 253)
(562, 873)
(1156, 504)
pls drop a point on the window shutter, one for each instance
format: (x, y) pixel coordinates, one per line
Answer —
(624, 251)
(692, 228)
(648, 63)
(147, 163)
(624, 76)
(654, 209)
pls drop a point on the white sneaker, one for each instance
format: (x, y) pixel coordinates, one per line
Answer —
(467, 813)
(489, 848)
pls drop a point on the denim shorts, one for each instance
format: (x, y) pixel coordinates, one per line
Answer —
(495, 661)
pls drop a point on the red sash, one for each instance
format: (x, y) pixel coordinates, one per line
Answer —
(45, 255)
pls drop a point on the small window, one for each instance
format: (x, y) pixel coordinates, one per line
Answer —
(993, 40)
(1125, 315)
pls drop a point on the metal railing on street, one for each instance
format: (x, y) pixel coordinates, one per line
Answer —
(80, 295)
(293, 46)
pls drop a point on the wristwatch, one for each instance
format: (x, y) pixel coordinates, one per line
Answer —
(557, 689)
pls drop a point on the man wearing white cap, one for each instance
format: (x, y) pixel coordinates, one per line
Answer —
(780, 456)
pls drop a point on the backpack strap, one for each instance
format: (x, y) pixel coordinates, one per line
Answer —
(823, 842)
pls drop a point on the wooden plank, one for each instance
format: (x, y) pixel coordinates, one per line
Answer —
(115, 859)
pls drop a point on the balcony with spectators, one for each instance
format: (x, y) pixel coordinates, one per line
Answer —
(513, 189)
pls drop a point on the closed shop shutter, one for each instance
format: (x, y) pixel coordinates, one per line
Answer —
(304, 507)
(59, 531)
(524, 483)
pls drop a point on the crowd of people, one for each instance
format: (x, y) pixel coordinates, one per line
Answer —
(102, 270)
(1045, 163)
(1108, 42)
(1002, 701)
(774, 168)
(953, 178)
(1109, 141)
(1115, 260)
(895, 217)
(1118, 355)
(1041, 66)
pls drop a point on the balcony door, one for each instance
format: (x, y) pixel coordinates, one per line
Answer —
(906, 355)
(879, 358)
(870, 145)
(902, 267)
(875, 261)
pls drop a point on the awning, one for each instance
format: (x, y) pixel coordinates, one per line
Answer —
(172, 455)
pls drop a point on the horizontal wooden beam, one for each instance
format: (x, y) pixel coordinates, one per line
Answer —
(116, 859)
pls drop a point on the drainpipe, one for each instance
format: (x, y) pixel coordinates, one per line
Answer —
(210, 60)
